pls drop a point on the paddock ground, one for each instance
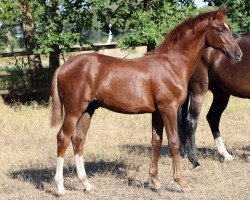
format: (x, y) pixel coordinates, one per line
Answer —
(117, 154)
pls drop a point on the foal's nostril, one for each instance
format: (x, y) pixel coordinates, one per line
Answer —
(238, 55)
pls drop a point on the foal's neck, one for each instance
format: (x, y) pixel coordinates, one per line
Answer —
(192, 47)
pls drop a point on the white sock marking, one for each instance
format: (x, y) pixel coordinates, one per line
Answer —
(59, 176)
(222, 149)
(81, 173)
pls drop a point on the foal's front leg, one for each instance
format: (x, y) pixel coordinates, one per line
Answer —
(157, 130)
(169, 115)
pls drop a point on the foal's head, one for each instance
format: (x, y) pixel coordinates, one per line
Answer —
(220, 37)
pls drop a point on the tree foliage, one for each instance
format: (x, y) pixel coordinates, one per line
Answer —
(64, 23)
(238, 13)
(61, 23)
(150, 25)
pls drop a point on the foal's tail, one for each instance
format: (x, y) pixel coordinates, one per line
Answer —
(57, 107)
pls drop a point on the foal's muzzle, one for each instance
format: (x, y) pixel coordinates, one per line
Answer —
(235, 55)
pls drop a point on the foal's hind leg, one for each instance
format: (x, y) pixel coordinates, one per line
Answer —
(63, 140)
(78, 140)
(157, 130)
(219, 104)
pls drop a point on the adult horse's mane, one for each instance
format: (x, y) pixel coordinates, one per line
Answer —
(179, 32)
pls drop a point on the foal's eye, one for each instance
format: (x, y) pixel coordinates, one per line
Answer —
(220, 29)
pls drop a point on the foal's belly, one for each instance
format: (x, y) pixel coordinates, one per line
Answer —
(126, 100)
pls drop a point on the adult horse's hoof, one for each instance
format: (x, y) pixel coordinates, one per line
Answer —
(196, 166)
(228, 158)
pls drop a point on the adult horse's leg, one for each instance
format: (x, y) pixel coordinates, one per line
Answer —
(78, 140)
(63, 140)
(169, 115)
(220, 101)
(196, 102)
(157, 131)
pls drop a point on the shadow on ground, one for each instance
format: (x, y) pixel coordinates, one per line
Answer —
(144, 150)
(204, 152)
(210, 153)
(40, 177)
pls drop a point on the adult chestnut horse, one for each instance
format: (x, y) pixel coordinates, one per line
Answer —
(155, 84)
(215, 72)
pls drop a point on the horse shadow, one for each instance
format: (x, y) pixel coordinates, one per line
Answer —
(202, 152)
(40, 177)
(145, 149)
(213, 154)
(246, 148)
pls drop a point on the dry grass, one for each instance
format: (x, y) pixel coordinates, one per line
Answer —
(117, 153)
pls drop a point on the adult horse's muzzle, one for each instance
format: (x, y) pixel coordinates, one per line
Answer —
(235, 55)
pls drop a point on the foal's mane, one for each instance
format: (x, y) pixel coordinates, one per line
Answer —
(179, 32)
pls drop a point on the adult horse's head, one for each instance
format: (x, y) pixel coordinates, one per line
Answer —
(220, 37)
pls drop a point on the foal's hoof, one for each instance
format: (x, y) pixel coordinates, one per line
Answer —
(62, 192)
(89, 188)
(157, 184)
(183, 185)
(157, 187)
(188, 189)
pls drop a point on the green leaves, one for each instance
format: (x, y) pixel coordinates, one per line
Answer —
(149, 26)
(10, 12)
(238, 13)
(136, 22)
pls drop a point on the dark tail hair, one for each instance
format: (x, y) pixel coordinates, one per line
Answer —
(57, 106)
(181, 121)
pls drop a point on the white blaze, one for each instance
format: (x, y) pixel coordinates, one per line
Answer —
(226, 26)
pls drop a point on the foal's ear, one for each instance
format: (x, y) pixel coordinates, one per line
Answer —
(223, 11)
(221, 14)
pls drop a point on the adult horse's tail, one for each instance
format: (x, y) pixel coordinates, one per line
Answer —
(182, 116)
(57, 107)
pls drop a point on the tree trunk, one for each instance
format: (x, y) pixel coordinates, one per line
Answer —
(10, 45)
(29, 30)
(110, 37)
(150, 46)
(54, 57)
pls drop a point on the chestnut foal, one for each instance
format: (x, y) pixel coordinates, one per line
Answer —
(155, 83)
